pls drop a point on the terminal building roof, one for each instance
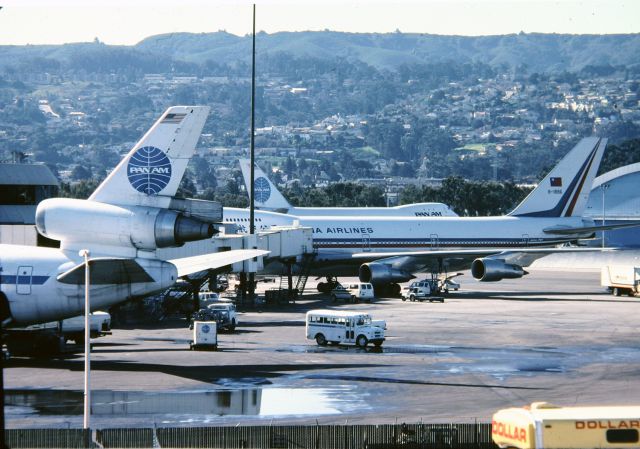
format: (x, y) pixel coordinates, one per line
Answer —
(620, 192)
(27, 174)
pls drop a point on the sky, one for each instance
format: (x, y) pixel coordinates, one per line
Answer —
(127, 22)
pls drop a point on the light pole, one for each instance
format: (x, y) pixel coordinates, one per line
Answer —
(87, 346)
(603, 187)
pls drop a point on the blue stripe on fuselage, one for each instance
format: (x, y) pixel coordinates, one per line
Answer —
(23, 280)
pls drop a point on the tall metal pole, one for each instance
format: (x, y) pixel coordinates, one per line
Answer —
(604, 187)
(252, 230)
(87, 340)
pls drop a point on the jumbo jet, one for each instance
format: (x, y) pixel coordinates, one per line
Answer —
(268, 197)
(129, 216)
(388, 250)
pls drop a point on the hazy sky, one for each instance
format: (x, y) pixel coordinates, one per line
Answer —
(129, 21)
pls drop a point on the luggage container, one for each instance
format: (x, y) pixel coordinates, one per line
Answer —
(205, 336)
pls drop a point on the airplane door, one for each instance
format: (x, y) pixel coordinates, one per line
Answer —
(366, 242)
(525, 239)
(434, 241)
(23, 280)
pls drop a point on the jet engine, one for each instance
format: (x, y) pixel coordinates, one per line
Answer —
(379, 273)
(146, 228)
(491, 270)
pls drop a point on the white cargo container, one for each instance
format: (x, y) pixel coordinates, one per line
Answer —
(621, 279)
(205, 336)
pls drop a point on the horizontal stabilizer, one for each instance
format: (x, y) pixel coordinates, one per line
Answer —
(587, 229)
(195, 264)
(107, 271)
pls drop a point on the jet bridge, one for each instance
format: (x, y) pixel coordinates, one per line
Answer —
(287, 244)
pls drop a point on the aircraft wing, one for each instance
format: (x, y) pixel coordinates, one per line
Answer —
(195, 264)
(585, 229)
(107, 270)
(460, 259)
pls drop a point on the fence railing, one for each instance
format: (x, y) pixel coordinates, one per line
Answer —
(370, 436)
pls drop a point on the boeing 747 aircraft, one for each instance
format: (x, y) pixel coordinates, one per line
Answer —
(268, 197)
(388, 250)
(130, 215)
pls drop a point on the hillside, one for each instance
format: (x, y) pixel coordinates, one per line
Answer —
(538, 52)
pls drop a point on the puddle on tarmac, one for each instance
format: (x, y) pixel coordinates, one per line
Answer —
(194, 405)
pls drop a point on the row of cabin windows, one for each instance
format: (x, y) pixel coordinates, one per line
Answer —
(243, 219)
(332, 320)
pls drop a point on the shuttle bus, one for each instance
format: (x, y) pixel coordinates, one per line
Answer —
(543, 425)
(343, 327)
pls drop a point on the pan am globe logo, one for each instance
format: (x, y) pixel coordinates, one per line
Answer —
(149, 170)
(262, 189)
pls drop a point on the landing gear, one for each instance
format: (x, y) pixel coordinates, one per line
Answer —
(326, 287)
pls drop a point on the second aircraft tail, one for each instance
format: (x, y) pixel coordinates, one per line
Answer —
(267, 195)
(565, 190)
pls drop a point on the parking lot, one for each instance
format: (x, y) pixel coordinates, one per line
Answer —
(552, 336)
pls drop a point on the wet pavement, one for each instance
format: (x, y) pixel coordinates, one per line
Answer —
(487, 347)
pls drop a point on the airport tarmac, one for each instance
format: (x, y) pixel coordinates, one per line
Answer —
(552, 336)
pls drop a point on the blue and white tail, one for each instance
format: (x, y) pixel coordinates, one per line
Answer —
(565, 190)
(267, 195)
(151, 173)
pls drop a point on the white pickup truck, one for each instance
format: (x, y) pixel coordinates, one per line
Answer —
(422, 291)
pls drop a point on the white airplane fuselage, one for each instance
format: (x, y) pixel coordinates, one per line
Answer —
(29, 281)
(336, 239)
(405, 210)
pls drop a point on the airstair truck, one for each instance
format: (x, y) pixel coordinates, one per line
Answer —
(621, 279)
(546, 426)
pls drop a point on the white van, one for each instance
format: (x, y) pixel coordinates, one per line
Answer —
(361, 291)
(207, 298)
(343, 327)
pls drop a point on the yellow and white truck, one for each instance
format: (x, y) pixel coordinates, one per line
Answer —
(545, 426)
(621, 279)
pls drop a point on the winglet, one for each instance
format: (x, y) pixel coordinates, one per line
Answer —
(267, 194)
(155, 165)
(565, 190)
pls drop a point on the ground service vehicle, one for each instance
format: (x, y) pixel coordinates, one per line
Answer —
(343, 327)
(619, 279)
(423, 290)
(205, 336)
(207, 298)
(73, 328)
(361, 291)
(543, 425)
(228, 318)
(339, 292)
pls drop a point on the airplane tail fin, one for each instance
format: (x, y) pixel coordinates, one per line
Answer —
(267, 195)
(565, 190)
(151, 172)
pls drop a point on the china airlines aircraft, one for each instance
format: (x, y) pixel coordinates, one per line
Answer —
(129, 216)
(268, 197)
(388, 250)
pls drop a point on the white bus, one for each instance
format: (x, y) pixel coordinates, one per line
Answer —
(343, 327)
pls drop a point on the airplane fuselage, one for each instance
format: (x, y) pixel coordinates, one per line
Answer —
(29, 280)
(405, 210)
(335, 239)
